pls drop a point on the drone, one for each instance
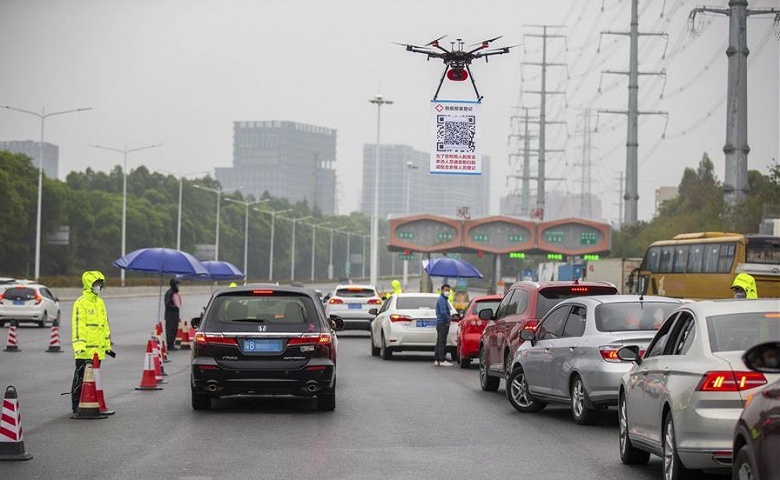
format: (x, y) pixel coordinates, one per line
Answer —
(456, 59)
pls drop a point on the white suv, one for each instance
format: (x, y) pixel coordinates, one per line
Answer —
(352, 303)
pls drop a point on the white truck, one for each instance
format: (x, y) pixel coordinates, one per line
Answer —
(614, 270)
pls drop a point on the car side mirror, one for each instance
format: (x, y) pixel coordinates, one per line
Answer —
(528, 335)
(630, 353)
(336, 322)
(764, 357)
(373, 311)
(486, 314)
(195, 322)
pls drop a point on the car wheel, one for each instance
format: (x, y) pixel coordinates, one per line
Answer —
(629, 454)
(326, 402)
(200, 401)
(44, 320)
(673, 467)
(486, 382)
(384, 350)
(464, 362)
(582, 414)
(744, 465)
(374, 349)
(518, 394)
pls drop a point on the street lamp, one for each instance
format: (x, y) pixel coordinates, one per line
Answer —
(314, 243)
(218, 191)
(379, 100)
(409, 167)
(292, 253)
(43, 116)
(271, 254)
(181, 183)
(363, 253)
(246, 204)
(124, 151)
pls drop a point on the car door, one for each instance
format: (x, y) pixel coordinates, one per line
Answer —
(51, 303)
(536, 360)
(377, 322)
(564, 351)
(498, 331)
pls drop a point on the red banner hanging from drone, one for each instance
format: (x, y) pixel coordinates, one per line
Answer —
(456, 137)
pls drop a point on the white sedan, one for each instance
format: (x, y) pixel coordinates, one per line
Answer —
(407, 322)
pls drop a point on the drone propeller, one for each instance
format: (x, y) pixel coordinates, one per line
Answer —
(485, 43)
(434, 42)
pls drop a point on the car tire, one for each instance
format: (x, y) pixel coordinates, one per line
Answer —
(673, 467)
(374, 349)
(518, 394)
(582, 414)
(44, 319)
(744, 465)
(629, 454)
(326, 402)
(384, 350)
(464, 362)
(200, 401)
(486, 382)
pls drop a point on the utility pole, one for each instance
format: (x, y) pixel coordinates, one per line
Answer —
(620, 198)
(735, 186)
(632, 138)
(586, 179)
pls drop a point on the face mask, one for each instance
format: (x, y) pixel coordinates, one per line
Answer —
(446, 292)
(96, 290)
(740, 294)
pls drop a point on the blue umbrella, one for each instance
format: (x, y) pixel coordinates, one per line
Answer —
(451, 268)
(161, 260)
(218, 270)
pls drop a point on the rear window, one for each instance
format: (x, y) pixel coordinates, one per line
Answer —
(618, 317)
(266, 311)
(413, 303)
(740, 331)
(552, 296)
(19, 293)
(485, 304)
(356, 292)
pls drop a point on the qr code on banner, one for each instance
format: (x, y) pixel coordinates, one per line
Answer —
(455, 133)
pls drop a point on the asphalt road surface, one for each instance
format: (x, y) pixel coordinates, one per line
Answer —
(398, 419)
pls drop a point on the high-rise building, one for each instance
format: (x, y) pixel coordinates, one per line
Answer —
(51, 154)
(404, 174)
(286, 159)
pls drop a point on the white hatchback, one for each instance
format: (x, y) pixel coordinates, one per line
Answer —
(407, 322)
(29, 302)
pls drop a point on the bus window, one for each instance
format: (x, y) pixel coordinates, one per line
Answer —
(711, 258)
(763, 251)
(665, 260)
(680, 258)
(695, 257)
(651, 259)
(726, 258)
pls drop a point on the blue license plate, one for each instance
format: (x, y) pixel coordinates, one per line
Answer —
(18, 302)
(426, 323)
(355, 306)
(263, 345)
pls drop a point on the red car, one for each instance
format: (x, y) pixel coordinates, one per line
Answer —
(471, 327)
(522, 306)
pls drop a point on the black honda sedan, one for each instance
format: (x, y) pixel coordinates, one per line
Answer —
(264, 340)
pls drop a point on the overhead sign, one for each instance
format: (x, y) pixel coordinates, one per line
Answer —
(456, 137)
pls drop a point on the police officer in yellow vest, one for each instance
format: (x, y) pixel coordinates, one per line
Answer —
(90, 331)
(744, 286)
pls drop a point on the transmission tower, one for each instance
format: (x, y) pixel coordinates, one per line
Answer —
(586, 179)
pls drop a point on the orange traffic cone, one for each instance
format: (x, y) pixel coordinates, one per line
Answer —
(11, 442)
(54, 340)
(148, 379)
(178, 341)
(164, 354)
(157, 358)
(99, 387)
(89, 407)
(185, 336)
(11, 344)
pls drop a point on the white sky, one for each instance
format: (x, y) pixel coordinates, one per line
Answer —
(181, 72)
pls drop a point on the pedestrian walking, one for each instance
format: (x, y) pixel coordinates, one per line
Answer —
(90, 331)
(172, 313)
(443, 318)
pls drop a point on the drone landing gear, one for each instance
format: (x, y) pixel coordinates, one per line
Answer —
(471, 77)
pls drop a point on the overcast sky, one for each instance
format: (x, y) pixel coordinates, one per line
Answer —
(181, 72)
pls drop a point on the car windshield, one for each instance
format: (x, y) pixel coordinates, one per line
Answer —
(618, 317)
(485, 304)
(414, 303)
(552, 296)
(19, 293)
(355, 292)
(740, 331)
(275, 311)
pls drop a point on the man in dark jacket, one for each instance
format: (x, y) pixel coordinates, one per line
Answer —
(172, 306)
(443, 317)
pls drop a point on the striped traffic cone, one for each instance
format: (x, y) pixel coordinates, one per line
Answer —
(54, 340)
(11, 441)
(185, 336)
(164, 353)
(157, 358)
(89, 407)
(148, 379)
(11, 344)
(99, 387)
(178, 340)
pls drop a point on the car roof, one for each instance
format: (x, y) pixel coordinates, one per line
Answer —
(354, 285)
(559, 283)
(602, 299)
(733, 305)
(252, 286)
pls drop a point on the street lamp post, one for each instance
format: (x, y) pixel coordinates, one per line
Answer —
(181, 187)
(409, 167)
(314, 244)
(43, 116)
(363, 253)
(218, 191)
(292, 253)
(330, 256)
(124, 151)
(271, 253)
(379, 100)
(246, 205)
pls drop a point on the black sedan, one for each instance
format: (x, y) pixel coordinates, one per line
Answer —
(264, 340)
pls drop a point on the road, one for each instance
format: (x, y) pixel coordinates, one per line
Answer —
(398, 419)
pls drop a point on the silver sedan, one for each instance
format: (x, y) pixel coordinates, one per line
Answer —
(572, 356)
(681, 401)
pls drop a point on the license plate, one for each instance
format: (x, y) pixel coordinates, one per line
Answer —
(264, 345)
(355, 306)
(426, 323)
(18, 302)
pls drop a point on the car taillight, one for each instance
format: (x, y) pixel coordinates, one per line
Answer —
(375, 301)
(1, 296)
(728, 381)
(335, 301)
(580, 290)
(320, 343)
(38, 298)
(205, 339)
(609, 353)
(531, 325)
(400, 318)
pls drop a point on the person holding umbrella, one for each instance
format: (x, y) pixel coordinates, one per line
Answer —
(443, 317)
(172, 313)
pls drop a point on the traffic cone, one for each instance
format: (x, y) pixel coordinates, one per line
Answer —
(164, 355)
(99, 387)
(157, 358)
(89, 407)
(185, 336)
(148, 379)
(11, 344)
(54, 340)
(11, 442)
(178, 341)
